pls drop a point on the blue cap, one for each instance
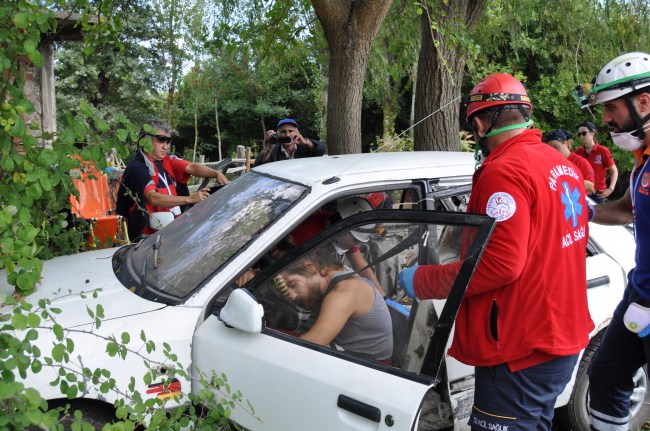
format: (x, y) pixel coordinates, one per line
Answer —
(286, 121)
(556, 135)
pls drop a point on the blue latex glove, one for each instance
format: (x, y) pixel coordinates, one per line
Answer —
(405, 280)
(645, 332)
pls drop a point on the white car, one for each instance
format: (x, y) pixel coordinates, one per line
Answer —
(178, 287)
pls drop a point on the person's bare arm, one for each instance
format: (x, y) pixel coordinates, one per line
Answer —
(613, 178)
(168, 201)
(199, 170)
(589, 186)
(336, 309)
(616, 212)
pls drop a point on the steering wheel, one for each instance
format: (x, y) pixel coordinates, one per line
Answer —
(204, 183)
(221, 166)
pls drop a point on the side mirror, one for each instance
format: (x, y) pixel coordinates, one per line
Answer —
(159, 220)
(243, 312)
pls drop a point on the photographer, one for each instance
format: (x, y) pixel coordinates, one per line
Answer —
(287, 143)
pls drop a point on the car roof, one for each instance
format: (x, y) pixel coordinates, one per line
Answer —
(383, 166)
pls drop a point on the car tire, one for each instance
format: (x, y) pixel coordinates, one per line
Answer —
(575, 415)
(93, 413)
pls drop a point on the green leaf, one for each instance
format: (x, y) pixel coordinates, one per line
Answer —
(126, 337)
(44, 180)
(36, 58)
(34, 416)
(30, 45)
(111, 348)
(85, 108)
(21, 20)
(7, 163)
(57, 352)
(101, 125)
(100, 311)
(19, 321)
(122, 134)
(58, 331)
(33, 397)
(33, 320)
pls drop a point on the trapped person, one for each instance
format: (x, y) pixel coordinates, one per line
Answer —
(352, 314)
(286, 142)
(524, 318)
(149, 183)
(623, 88)
(600, 159)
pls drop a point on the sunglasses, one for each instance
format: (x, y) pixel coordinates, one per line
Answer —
(161, 138)
(582, 133)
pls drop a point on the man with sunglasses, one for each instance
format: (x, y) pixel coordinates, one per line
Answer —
(151, 180)
(623, 88)
(601, 161)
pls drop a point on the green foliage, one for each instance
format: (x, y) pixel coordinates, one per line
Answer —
(555, 46)
(22, 324)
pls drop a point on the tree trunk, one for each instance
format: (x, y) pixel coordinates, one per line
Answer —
(196, 126)
(216, 121)
(350, 27)
(440, 74)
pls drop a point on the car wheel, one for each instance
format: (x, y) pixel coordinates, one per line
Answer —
(575, 415)
(94, 414)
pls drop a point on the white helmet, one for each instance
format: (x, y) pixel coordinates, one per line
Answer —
(624, 74)
(354, 205)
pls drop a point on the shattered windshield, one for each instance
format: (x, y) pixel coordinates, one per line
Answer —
(179, 258)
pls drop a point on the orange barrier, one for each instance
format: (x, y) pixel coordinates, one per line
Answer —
(96, 206)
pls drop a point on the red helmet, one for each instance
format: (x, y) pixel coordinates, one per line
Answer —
(497, 89)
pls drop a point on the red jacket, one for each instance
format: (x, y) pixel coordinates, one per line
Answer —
(584, 166)
(527, 301)
(600, 159)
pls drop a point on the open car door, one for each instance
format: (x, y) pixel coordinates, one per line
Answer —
(283, 382)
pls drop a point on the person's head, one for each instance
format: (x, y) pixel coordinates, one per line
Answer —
(287, 127)
(558, 140)
(623, 88)
(307, 279)
(160, 139)
(587, 133)
(497, 107)
(569, 138)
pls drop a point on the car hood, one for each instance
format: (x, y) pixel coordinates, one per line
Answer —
(65, 279)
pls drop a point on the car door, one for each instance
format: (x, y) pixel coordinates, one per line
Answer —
(277, 381)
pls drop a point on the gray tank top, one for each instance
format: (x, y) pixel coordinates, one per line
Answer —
(371, 334)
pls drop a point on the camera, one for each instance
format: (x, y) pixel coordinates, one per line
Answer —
(275, 139)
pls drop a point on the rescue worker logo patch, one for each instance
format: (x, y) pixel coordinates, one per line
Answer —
(501, 206)
(572, 205)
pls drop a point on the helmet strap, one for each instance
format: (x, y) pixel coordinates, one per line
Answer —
(482, 142)
(638, 121)
(510, 127)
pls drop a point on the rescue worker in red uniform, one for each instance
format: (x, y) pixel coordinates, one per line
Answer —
(524, 318)
(149, 183)
(623, 88)
(559, 140)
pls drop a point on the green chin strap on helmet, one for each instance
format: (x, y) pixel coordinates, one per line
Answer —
(481, 151)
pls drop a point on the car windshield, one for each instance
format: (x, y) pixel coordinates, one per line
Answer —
(180, 258)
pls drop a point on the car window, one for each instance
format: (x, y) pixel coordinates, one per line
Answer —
(178, 259)
(397, 245)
